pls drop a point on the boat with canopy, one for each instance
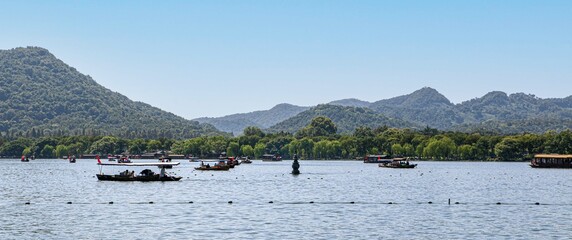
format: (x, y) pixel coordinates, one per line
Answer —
(146, 175)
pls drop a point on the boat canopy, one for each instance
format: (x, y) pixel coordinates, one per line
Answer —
(552, 156)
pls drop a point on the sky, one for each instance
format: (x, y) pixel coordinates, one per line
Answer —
(215, 58)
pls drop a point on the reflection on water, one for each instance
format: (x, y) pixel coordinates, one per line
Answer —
(198, 206)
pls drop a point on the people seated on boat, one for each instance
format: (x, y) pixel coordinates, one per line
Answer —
(208, 165)
(147, 172)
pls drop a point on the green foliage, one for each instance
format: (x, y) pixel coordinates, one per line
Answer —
(346, 119)
(42, 96)
(383, 140)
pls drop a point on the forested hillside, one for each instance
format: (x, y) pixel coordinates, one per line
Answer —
(42, 96)
(496, 113)
(347, 119)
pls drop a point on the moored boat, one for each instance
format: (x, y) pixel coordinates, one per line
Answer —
(551, 161)
(377, 159)
(398, 163)
(271, 158)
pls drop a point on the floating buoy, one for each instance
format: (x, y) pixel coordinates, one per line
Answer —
(27, 203)
(229, 202)
(536, 203)
(311, 201)
(498, 203)
(110, 202)
(190, 201)
(352, 202)
(430, 202)
(150, 202)
(456, 202)
(271, 202)
(390, 203)
(69, 202)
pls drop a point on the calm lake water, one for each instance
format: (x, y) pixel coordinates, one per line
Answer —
(331, 185)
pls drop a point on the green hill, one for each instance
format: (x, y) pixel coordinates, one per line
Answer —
(423, 107)
(346, 119)
(42, 96)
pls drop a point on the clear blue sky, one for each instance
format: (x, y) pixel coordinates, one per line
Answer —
(214, 58)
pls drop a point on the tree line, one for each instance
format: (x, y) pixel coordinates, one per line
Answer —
(318, 140)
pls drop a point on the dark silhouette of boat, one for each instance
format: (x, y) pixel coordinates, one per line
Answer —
(271, 158)
(377, 159)
(398, 163)
(220, 166)
(146, 175)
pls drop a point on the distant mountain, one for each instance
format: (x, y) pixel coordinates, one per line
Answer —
(533, 125)
(494, 112)
(236, 123)
(347, 119)
(498, 106)
(41, 95)
(423, 107)
(350, 102)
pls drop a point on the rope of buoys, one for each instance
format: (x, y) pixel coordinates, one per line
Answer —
(332, 202)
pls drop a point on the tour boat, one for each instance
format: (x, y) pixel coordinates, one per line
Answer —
(146, 175)
(398, 163)
(221, 165)
(551, 161)
(271, 158)
(377, 159)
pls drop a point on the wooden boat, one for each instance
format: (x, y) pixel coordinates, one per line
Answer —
(271, 158)
(124, 159)
(220, 166)
(398, 163)
(551, 161)
(245, 160)
(377, 159)
(111, 158)
(144, 176)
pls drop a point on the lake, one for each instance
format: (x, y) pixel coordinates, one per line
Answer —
(329, 200)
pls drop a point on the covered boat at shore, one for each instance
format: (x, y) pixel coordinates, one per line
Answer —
(551, 161)
(377, 159)
(398, 163)
(147, 175)
(271, 158)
